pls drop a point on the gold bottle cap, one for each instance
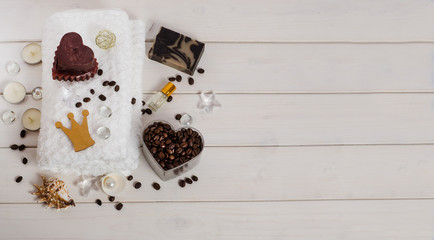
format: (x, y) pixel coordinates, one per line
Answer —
(168, 89)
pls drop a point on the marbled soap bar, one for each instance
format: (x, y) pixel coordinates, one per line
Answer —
(176, 50)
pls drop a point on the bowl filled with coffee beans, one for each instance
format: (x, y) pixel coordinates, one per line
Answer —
(171, 152)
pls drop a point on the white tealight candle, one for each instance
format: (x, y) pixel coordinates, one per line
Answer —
(32, 53)
(31, 119)
(14, 92)
(113, 183)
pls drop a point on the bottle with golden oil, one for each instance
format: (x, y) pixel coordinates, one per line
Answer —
(158, 99)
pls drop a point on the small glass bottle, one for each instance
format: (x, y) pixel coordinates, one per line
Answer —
(160, 97)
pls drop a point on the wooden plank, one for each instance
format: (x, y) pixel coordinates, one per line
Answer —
(290, 119)
(258, 174)
(397, 220)
(281, 68)
(277, 21)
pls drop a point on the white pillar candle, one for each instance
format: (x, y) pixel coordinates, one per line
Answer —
(32, 53)
(31, 119)
(14, 92)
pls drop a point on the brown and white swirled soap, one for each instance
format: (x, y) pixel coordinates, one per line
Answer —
(176, 50)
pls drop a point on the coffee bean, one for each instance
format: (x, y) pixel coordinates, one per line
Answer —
(188, 180)
(143, 103)
(22, 147)
(23, 133)
(194, 178)
(77, 105)
(14, 147)
(172, 79)
(112, 83)
(99, 202)
(181, 183)
(18, 179)
(137, 185)
(169, 99)
(190, 81)
(148, 111)
(119, 206)
(25, 160)
(102, 97)
(133, 101)
(129, 178)
(111, 198)
(92, 91)
(156, 186)
(178, 78)
(100, 72)
(117, 88)
(86, 99)
(105, 83)
(200, 70)
(143, 111)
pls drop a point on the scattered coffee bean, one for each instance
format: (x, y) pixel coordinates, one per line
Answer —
(22, 147)
(77, 105)
(102, 97)
(169, 99)
(23, 133)
(194, 178)
(178, 78)
(100, 72)
(172, 79)
(133, 101)
(143, 111)
(156, 186)
(143, 103)
(181, 183)
(137, 185)
(92, 91)
(117, 88)
(129, 178)
(111, 198)
(14, 147)
(190, 81)
(200, 70)
(105, 83)
(148, 111)
(188, 180)
(112, 83)
(99, 202)
(86, 99)
(178, 116)
(119, 206)
(25, 160)
(18, 179)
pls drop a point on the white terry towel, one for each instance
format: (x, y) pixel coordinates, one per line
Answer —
(124, 64)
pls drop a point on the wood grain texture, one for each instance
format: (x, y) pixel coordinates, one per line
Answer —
(218, 220)
(258, 174)
(281, 68)
(289, 119)
(277, 21)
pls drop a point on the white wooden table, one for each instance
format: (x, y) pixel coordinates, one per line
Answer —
(326, 129)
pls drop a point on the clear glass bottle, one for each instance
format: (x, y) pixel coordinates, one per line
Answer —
(160, 97)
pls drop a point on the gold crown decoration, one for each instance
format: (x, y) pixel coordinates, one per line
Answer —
(78, 134)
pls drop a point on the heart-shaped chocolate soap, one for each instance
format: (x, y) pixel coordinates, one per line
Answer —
(73, 60)
(171, 148)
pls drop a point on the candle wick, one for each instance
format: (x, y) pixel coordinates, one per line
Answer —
(31, 120)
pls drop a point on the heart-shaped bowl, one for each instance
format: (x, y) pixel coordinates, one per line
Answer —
(178, 170)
